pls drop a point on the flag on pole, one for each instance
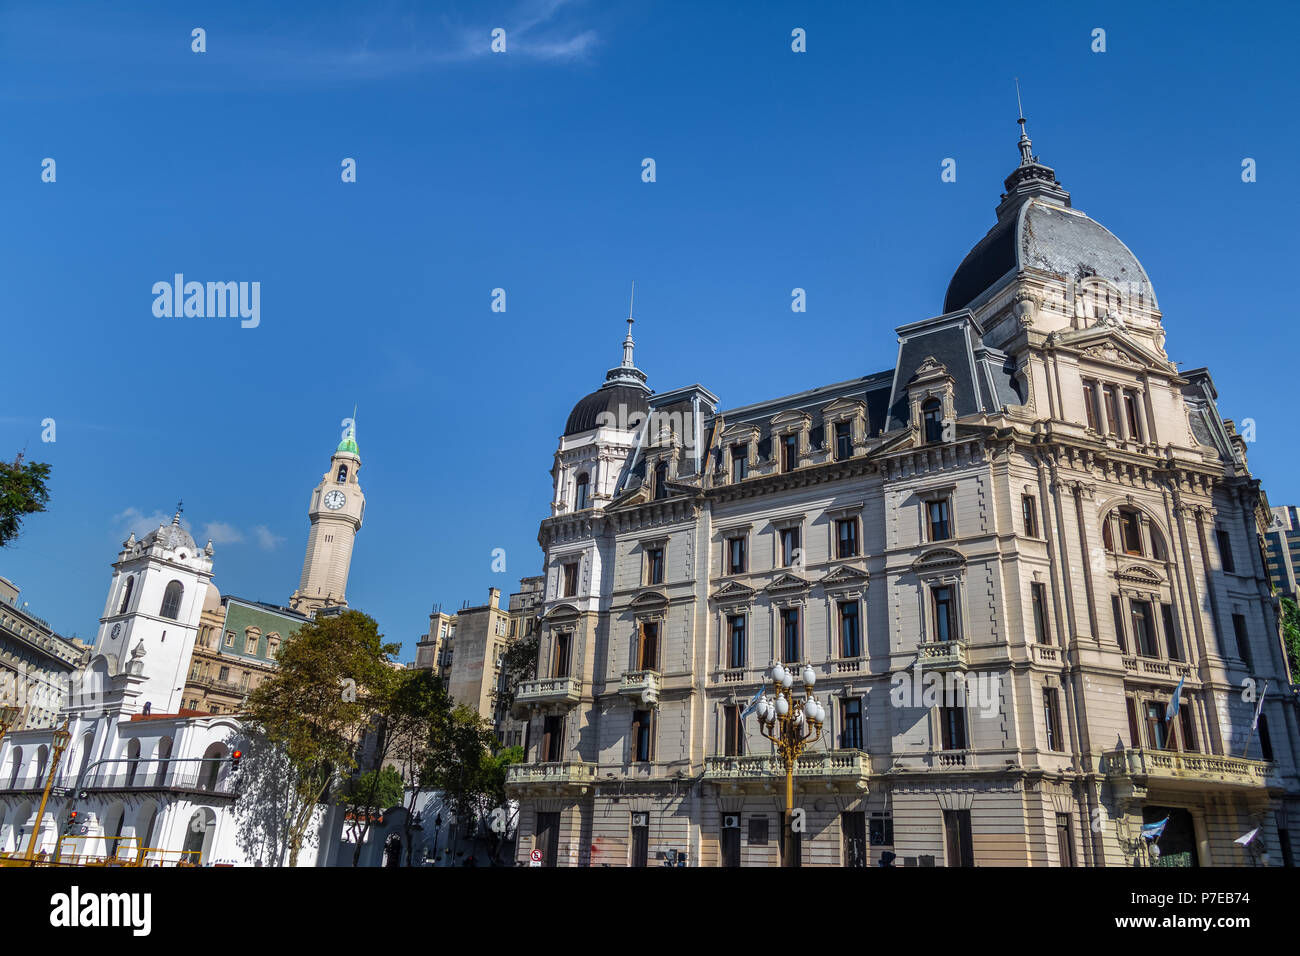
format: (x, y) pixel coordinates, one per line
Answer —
(1152, 831)
(1259, 705)
(753, 703)
(1172, 710)
(1245, 838)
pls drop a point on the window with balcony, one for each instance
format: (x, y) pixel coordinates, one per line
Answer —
(733, 733)
(1029, 508)
(1172, 646)
(736, 640)
(1117, 615)
(739, 462)
(945, 618)
(648, 646)
(790, 635)
(1131, 416)
(1155, 719)
(560, 658)
(736, 555)
(952, 727)
(1090, 404)
(851, 721)
(1144, 632)
(552, 750)
(1187, 730)
(1112, 411)
(789, 547)
(789, 452)
(223, 674)
(850, 631)
(936, 512)
(570, 579)
(654, 565)
(1052, 714)
(843, 440)
(1265, 742)
(846, 538)
(642, 737)
(1042, 628)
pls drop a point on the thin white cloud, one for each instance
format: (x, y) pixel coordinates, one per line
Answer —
(134, 521)
(266, 540)
(222, 533)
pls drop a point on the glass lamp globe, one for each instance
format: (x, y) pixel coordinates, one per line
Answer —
(778, 674)
(787, 679)
(762, 709)
(809, 677)
(782, 706)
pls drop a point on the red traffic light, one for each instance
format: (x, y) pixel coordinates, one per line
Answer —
(234, 758)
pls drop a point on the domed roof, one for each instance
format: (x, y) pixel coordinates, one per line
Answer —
(1037, 229)
(212, 600)
(171, 536)
(1050, 238)
(623, 405)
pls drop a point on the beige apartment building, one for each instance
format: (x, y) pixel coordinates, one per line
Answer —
(1034, 508)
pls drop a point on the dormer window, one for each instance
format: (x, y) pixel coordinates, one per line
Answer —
(739, 462)
(789, 452)
(661, 480)
(843, 440)
(580, 492)
(342, 476)
(932, 419)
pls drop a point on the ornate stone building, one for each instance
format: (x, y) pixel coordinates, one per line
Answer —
(1002, 558)
(336, 511)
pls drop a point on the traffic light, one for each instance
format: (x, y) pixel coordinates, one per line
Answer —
(235, 758)
(72, 819)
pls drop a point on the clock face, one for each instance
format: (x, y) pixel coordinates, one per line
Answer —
(117, 629)
(335, 500)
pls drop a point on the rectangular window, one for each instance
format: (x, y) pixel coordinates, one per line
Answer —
(882, 829)
(789, 452)
(1090, 404)
(1051, 709)
(1130, 532)
(957, 838)
(1171, 635)
(1225, 550)
(736, 640)
(1064, 840)
(739, 462)
(945, 622)
(570, 579)
(790, 635)
(846, 538)
(1134, 738)
(223, 674)
(654, 566)
(937, 516)
(1118, 615)
(1186, 726)
(733, 733)
(730, 840)
(1265, 742)
(1042, 629)
(850, 633)
(789, 546)
(553, 739)
(854, 827)
(1108, 399)
(548, 838)
(1243, 638)
(952, 724)
(648, 652)
(1155, 717)
(851, 719)
(758, 828)
(641, 736)
(1131, 416)
(736, 555)
(1144, 633)
(561, 657)
(843, 441)
(1029, 508)
(230, 638)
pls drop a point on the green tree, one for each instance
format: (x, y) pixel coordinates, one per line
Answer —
(333, 682)
(366, 795)
(417, 717)
(459, 766)
(1291, 636)
(22, 492)
(518, 663)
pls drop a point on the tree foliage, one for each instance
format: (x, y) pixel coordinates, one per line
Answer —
(332, 684)
(22, 492)
(1291, 636)
(518, 663)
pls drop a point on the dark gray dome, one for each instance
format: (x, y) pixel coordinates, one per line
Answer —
(622, 405)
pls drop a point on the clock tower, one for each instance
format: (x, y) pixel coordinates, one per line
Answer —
(336, 511)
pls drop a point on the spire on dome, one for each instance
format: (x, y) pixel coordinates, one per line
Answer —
(628, 342)
(627, 373)
(349, 442)
(176, 518)
(1031, 178)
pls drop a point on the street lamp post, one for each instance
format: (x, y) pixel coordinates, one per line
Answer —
(790, 724)
(60, 737)
(8, 717)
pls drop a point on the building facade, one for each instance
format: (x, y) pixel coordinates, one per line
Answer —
(1002, 558)
(36, 664)
(237, 648)
(1283, 550)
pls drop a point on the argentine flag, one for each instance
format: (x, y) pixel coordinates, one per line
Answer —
(1172, 710)
(1152, 831)
(753, 703)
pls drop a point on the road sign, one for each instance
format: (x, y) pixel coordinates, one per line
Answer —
(535, 858)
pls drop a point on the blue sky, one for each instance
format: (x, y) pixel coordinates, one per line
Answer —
(522, 171)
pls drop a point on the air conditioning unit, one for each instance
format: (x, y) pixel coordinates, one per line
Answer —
(731, 821)
(640, 819)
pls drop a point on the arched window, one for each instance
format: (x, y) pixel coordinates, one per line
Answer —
(126, 595)
(580, 493)
(932, 417)
(342, 475)
(273, 647)
(164, 754)
(132, 761)
(17, 767)
(171, 603)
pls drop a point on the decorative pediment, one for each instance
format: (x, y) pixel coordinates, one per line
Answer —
(845, 576)
(1136, 574)
(1112, 354)
(649, 598)
(931, 366)
(842, 407)
(560, 612)
(1109, 341)
(733, 592)
(787, 583)
(792, 417)
(939, 559)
